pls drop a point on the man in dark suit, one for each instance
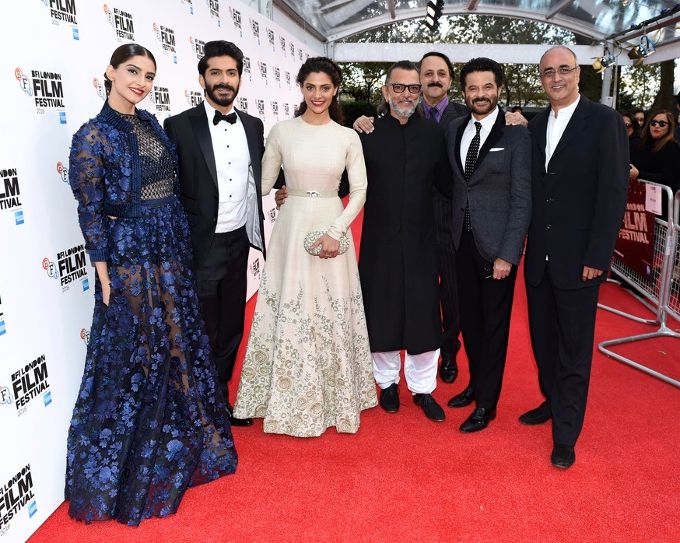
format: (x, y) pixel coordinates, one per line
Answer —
(580, 171)
(220, 153)
(491, 202)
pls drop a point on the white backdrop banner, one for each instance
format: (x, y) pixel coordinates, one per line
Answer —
(51, 77)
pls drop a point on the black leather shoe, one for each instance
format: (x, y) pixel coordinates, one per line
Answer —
(563, 456)
(431, 408)
(389, 398)
(479, 420)
(448, 370)
(236, 421)
(463, 399)
(537, 416)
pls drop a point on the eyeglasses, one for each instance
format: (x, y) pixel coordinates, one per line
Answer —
(400, 87)
(662, 124)
(562, 70)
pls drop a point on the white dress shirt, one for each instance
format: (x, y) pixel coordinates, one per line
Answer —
(470, 131)
(557, 122)
(232, 159)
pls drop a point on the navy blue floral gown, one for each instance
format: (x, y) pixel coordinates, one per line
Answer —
(148, 421)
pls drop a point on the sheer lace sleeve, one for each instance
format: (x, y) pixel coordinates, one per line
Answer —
(271, 160)
(86, 176)
(356, 171)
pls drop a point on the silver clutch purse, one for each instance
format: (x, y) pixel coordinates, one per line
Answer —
(315, 235)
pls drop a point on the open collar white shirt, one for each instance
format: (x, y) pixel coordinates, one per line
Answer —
(232, 160)
(557, 123)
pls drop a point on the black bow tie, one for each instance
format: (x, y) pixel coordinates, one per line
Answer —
(231, 118)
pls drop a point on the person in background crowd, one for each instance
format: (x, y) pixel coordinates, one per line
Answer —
(677, 117)
(491, 165)
(639, 115)
(632, 130)
(657, 154)
(220, 151)
(149, 420)
(580, 184)
(405, 159)
(308, 363)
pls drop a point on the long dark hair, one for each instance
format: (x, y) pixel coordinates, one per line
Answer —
(331, 69)
(647, 136)
(124, 52)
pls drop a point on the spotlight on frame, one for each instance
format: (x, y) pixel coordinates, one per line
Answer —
(433, 13)
(600, 64)
(641, 51)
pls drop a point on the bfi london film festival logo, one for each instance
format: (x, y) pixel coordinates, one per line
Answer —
(160, 98)
(189, 4)
(3, 329)
(193, 98)
(214, 7)
(197, 46)
(236, 20)
(243, 104)
(286, 110)
(17, 494)
(62, 171)
(99, 88)
(255, 29)
(255, 268)
(46, 88)
(166, 37)
(10, 194)
(70, 266)
(288, 79)
(272, 215)
(282, 44)
(28, 383)
(271, 38)
(246, 68)
(64, 11)
(260, 109)
(277, 75)
(122, 23)
(263, 71)
(275, 109)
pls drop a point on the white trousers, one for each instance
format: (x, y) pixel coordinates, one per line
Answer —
(420, 370)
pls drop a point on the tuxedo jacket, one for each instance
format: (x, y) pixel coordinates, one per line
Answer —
(199, 192)
(498, 191)
(579, 200)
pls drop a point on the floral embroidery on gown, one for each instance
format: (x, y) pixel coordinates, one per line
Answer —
(147, 423)
(308, 364)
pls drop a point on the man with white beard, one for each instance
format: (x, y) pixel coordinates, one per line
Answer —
(405, 157)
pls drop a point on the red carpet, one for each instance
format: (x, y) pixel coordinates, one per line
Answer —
(404, 478)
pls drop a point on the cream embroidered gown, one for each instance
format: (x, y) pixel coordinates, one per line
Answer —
(308, 363)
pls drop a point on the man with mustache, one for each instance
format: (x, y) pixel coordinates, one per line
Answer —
(405, 157)
(491, 202)
(220, 154)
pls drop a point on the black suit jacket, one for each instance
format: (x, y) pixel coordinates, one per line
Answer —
(199, 193)
(578, 203)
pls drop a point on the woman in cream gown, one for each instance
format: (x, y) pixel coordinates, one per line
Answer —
(308, 363)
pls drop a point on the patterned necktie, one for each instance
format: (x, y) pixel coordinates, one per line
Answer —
(470, 163)
(231, 118)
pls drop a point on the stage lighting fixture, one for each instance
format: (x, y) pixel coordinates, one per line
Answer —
(434, 11)
(600, 64)
(641, 51)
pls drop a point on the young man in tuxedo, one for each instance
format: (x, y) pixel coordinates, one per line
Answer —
(220, 153)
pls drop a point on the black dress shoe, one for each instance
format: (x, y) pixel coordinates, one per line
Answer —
(563, 456)
(389, 398)
(431, 408)
(536, 416)
(236, 421)
(479, 420)
(448, 371)
(463, 399)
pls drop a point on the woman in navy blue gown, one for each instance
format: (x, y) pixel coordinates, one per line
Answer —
(148, 421)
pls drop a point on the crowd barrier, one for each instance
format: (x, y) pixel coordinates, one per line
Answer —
(659, 290)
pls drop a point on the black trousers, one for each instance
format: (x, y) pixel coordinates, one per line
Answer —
(485, 307)
(448, 299)
(562, 327)
(222, 285)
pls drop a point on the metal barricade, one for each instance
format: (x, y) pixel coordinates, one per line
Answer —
(662, 288)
